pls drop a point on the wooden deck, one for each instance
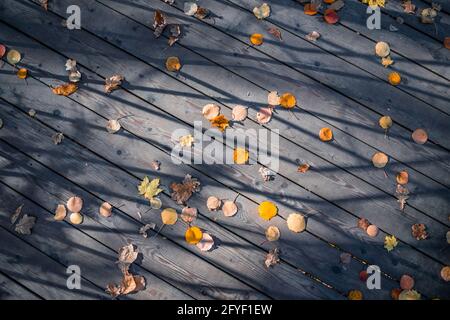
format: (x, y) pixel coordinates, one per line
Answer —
(339, 83)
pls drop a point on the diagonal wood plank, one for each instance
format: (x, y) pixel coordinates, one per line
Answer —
(11, 290)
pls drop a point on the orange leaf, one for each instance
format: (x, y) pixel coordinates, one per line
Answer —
(447, 42)
(402, 177)
(310, 9)
(173, 64)
(288, 100)
(193, 235)
(256, 39)
(267, 210)
(240, 156)
(330, 16)
(22, 73)
(325, 134)
(65, 89)
(355, 295)
(220, 122)
(394, 78)
(303, 168)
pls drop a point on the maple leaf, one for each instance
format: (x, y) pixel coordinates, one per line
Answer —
(220, 122)
(112, 83)
(181, 192)
(149, 189)
(390, 242)
(419, 231)
(25, 224)
(272, 257)
(386, 62)
(275, 32)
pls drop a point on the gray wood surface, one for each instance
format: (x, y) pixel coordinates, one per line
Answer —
(11, 290)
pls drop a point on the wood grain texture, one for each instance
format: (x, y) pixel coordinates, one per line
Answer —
(11, 290)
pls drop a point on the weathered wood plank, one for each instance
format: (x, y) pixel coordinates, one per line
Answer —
(62, 241)
(11, 290)
(353, 224)
(359, 50)
(94, 173)
(40, 274)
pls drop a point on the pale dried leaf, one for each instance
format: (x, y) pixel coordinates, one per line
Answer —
(159, 23)
(207, 242)
(143, 230)
(312, 36)
(112, 83)
(188, 214)
(112, 126)
(266, 174)
(16, 214)
(25, 224)
(127, 255)
(272, 257)
(57, 138)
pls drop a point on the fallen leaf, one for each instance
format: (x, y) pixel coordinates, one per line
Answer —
(372, 231)
(256, 39)
(201, 13)
(409, 295)
(44, 4)
(239, 113)
(394, 78)
(446, 44)
(428, 15)
(22, 73)
(186, 141)
(129, 284)
(181, 192)
(60, 212)
(2, 50)
(113, 126)
(74, 76)
(173, 64)
(65, 89)
(272, 233)
(193, 235)
(149, 189)
(213, 203)
(288, 100)
(266, 174)
(264, 115)
(363, 276)
(386, 62)
(390, 242)
(155, 203)
(16, 214)
(143, 230)
(408, 7)
(267, 210)
(156, 165)
(275, 32)
(220, 122)
(57, 138)
(210, 111)
(419, 136)
(190, 8)
(74, 204)
(303, 168)
(127, 255)
(272, 258)
(206, 243)
(406, 282)
(240, 156)
(402, 177)
(76, 218)
(112, 83)
(273, 98)
(262, 12)
(363, 224)
(296, 222)
(445, 273)
(310, 9)
(325, 134)
(71, 64)
(419, 231)
(105, 210)
(312, 36)
(395, 293)
(188, 214)
(159, 23)
(25, 224)
(385, 122)
(175, 32)
(355, 295)
(382, 49)
(380, 160)
(229, 208)
(13, 57)
(330, 16)
(402, 194)
(32, 113)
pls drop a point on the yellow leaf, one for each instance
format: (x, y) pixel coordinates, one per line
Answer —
(173, 64)
(240, 156)
(149, 189)
(390, 242)
(288, 100)
(355, 295)
(296, 222)
(325, 134)
(394, 78)
(193, 235)
(267, 210)
(65, 89)
(220, 122)
(386, 62)
(22, 73)
(60, 212)
(256, 39)
(385, 122)
(187, 140)
(409, 295)
(261, 12)
(169, 216)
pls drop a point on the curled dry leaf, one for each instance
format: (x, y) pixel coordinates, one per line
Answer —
(74, 76)
(173, 64)
(210, 111)
(256, 39)
(159, 23)
(402, 194)
(44, 4)
(112, 83)
(22, 73)
(380, 160)
(57, 138)
(272, 258)
(409, 295)
(16, 214)
(213, 203)
(206, 243)
(402, 177)
(181, 192)
(273, 99)
(74, 204)
(312, 36)
(428, 15)
(264, 115)
(385, 122)
(25, 224)
(419, 231)
(406, 282)
(60, 212)
(240, 156)
(382, 49)
(13, 56)
(144, 229)
(266, 173)
(113, 126)
(330, 16)
(262, 12)
(272, 233)
(275, 32)
(355, 295)
(175, 32)
(65, 89)
(229, 208)
(363, 224)
(310, 9)
(193, 235)
(394, 78)
(32, 113)
(390, 242)
(386, 62)
(220, 122)
(419, 136)
(325, 134)
(76, 218)
(372, 231)
(186, 141)
(105, 210)
(129, 284)
(267, 210)
(71, 64)
(288, 100)
(239, 113)
(303, 168)
(296, 222)
(155, 165)
(188, 214)
(169, 216)
(190, 8)
(127, 254)
(201, 13)
(445, 273)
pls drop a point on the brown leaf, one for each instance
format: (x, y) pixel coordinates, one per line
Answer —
(112, 83)
(402, 194)
(181, 192)
(188, 214)
(201, 13)
(272, 257)
(16, 214)
(65, 89)
(44, 4)
(303, 168)
(156, 165)
(127, 255)
(275, 32)
(363, 224)
(419, 231)
(159, 23)
(57, 138)
(220, 122)
(408, 7)
(25, 224)
(130, 284)
(175, 32)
